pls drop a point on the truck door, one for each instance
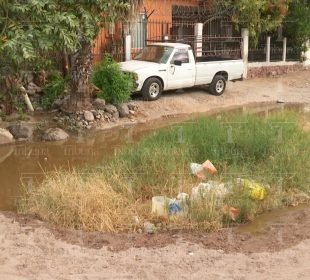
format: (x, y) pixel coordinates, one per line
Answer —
(181, 76)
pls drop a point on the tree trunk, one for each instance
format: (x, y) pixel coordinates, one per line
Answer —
(7, 85)
(66, 64)
(81, 65)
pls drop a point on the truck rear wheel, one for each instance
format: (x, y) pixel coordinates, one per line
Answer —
(218, 85)
(152, 89)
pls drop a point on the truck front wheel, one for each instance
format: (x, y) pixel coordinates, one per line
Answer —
(218, 85)
(152, 89)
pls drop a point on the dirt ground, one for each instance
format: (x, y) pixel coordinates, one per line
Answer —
(275, 247)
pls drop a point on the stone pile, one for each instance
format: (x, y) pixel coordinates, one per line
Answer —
(102, 113)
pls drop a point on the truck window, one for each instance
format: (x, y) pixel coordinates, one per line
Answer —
(154, 53)
(181, 55)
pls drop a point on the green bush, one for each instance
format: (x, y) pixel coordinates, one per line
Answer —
(116, 86)
(53, 89)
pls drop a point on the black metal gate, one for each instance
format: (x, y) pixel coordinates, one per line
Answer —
(181, 28)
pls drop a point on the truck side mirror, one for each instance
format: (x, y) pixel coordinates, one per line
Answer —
(178, 62)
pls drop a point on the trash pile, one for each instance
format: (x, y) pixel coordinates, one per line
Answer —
(165, 207)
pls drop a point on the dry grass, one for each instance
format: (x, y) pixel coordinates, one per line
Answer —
(69, 200)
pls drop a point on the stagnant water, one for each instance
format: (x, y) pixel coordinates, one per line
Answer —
(268, 219)
(25, 164)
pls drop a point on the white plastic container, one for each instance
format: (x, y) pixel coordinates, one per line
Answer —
(160, 206)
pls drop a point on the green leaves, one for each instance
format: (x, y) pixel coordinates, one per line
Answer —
(297, 22)
(297, 25)
(30, 27)
(258, 16)
(116, 86)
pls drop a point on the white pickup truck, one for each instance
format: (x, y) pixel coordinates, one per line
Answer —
(170, 66)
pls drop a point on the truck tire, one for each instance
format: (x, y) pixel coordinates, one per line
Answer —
(152, 89)
(218, 85)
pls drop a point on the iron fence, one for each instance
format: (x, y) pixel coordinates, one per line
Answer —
(276, 51)
(225, 47)
(257, 54)
(292, 53)
(145, 31)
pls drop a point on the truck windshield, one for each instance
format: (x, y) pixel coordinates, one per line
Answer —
(158, 54)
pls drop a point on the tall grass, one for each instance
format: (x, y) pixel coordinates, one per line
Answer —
(272, 151)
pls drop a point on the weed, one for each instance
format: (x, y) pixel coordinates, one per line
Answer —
(273, 151)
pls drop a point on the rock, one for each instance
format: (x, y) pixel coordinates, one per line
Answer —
(123, 110)
(22, 140)
(133, 106)
(19, 130)
(88, 116)
(131, 112)
(80, 124)
(111, 112)
(99, 103)
(55, 134)
(149, 227)
(5, 137)
(115, 116)
(33, 88)
(57, 103)
(111, 109)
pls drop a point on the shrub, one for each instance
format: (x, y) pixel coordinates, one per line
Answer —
(53, 89)
(116, 86)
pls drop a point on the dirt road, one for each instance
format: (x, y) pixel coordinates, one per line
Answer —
(291, 88)
(280, 249)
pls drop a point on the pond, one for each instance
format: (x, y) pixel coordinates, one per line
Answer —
(24, 164)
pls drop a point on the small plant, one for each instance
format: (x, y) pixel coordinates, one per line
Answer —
(53, 89)
(116, 86)
(22, 116)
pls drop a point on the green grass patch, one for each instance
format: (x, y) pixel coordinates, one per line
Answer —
(273, 151)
